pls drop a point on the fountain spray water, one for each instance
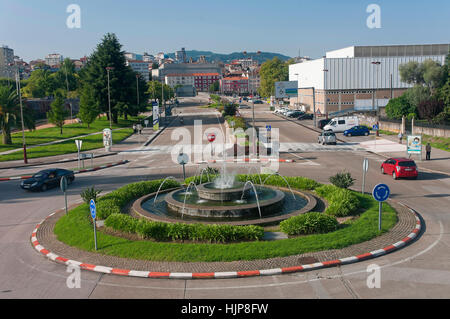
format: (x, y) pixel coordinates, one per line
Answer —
(259, 175)
(186, 193)
(276, 173)
(165, 179)
(256, 194)
(201, 175)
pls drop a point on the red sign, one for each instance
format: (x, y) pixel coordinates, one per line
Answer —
(211, 137)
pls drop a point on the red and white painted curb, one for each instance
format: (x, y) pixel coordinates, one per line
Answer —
(247, 160)
(75, 172)
(230, 274)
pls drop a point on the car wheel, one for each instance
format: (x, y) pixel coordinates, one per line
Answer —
(366, 134)
(394, 176)
(349, 134)
(382, 170)
(44, 187)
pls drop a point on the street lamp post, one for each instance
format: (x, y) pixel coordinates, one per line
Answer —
(325, 100)
(298, 92)
(19, 93)
(67, 94)
(109, 68)
(377, 64)
(137, 89)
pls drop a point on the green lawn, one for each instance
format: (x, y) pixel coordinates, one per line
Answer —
(442, 143)
(75, 229)
(70, 130)
(67, 147)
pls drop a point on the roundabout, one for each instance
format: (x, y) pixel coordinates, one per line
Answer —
(147, 257)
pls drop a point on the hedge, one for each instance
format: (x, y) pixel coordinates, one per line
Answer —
(309, 223)
(341, 202)
(178, 231)
(114, 201)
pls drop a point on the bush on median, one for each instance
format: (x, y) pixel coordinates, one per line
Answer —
(342, 202)
(309, 223)
(161, 231)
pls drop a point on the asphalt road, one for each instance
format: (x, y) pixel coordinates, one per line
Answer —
(421, 270)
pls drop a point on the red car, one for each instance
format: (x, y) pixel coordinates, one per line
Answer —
(400, 167)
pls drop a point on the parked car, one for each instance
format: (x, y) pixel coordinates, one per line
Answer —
(400, 167)
(326, 137)
(244, 106)
(322, 123)
(245, 98)
(295, 113)
(46, 179)
(357, 131)
(258, 102)
(306, 116)
(341, 124)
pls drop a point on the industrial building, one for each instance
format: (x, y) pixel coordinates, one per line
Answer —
(362, 78)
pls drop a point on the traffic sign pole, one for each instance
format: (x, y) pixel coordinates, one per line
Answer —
(365, 169)
(380, 193)
(93, 210)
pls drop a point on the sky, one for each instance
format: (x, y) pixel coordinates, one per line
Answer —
(35, 28)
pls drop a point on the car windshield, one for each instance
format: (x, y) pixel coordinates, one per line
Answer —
(406, 164)
(40, 175)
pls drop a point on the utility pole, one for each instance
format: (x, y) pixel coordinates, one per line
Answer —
(377, 65)
(67, 94)
(109, 68)
(19, 93)
(137, 88)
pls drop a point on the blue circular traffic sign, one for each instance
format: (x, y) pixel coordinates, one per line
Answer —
(381, 192)
(93, 209)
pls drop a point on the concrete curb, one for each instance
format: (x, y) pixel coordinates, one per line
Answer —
(231, 274)
(247, 160)
(75, 172)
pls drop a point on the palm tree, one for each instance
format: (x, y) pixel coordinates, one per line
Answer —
(10, 113)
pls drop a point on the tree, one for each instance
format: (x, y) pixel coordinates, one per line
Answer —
(430, 109)
(417, 95)
(399, 107)
(10, 113)
(42, 83)
(411, 73)
(272, 71)
(122, 83)
(154, 91)
(67, 67)
(58, 112)
(215, 87)
(89, 108)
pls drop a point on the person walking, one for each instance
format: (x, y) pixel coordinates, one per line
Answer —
(428, 149)
(134, 128)
(400, 137)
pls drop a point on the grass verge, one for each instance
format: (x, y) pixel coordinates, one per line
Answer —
(75, 229)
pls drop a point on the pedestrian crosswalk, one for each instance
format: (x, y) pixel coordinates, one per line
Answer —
(283, 148)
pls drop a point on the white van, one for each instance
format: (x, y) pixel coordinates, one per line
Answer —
(340, 124)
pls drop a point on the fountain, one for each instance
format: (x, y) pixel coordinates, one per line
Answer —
(225, 199)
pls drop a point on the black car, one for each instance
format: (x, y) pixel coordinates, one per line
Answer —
(46, 179)
(258, 102)
(322, 123)
(305, 116)
(296, 114)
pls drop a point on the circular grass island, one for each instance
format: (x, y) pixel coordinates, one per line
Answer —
(335, 218)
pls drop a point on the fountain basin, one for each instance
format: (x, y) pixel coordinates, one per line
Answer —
(232, 208)
(208, 191)
(144, 207)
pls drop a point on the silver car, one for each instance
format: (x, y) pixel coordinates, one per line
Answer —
(327, 137)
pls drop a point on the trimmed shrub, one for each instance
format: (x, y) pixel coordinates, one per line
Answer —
(114, 201)
(90, 193)
(342, 180)
(342, 202)
(160, 231)
(309, 223)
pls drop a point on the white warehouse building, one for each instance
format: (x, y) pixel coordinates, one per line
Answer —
(357, 77)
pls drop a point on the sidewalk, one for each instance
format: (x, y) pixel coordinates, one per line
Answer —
(440, 160)
(133, 141)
